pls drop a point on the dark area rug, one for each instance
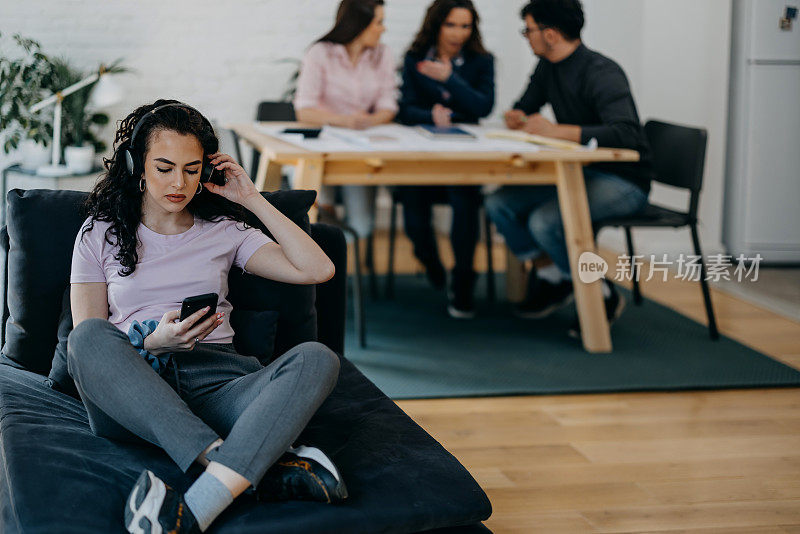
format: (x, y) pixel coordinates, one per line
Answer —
(415, 350)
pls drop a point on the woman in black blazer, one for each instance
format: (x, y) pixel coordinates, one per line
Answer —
(448, 77)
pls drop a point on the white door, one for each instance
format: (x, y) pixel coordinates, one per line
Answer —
(773, 168)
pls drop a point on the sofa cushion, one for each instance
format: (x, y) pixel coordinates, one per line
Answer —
(399, 478)
(297, 316)
(59, 373)
(42, 225)
(254, 333)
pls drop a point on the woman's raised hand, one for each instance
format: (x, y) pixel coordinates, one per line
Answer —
(172, 335)
(438, 70)
(238, 187)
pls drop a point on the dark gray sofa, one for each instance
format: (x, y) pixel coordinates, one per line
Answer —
(58, 477)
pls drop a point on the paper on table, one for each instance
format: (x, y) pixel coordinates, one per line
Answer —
(550, 142)
(359, 138)
(397, 138)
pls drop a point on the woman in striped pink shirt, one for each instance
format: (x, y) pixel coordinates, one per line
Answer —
(348, 79)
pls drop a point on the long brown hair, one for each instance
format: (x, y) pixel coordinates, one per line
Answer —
(437, 12)
(352, 18)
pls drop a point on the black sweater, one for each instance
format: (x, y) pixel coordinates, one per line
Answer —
(590, 90)
(469, 91)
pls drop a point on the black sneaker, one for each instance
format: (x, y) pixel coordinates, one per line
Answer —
(543, 298)
(302, 474)
(461, 303)
(435, 273)
(615, 304)
(155, 508)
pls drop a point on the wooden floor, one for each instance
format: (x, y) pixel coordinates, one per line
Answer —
(702, 462)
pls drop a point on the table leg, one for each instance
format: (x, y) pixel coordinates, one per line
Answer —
(268, 175)
(274, 177)
(309, 176)
(578, 233)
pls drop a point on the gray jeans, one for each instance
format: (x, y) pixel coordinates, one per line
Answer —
(259, 411)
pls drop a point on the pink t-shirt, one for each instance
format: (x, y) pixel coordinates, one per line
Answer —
(329, 80)
(170, 268)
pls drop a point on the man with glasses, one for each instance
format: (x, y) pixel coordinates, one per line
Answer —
(591, 98)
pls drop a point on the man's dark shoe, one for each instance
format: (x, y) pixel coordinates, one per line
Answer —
(614, 303)
(302, 474)
(435, 273)
(543, 298)
(461, 303)
(153, 507)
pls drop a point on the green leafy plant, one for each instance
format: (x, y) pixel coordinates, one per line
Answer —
(31, 77)
(24, 80)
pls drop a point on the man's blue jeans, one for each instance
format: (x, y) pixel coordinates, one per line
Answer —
(530, 220)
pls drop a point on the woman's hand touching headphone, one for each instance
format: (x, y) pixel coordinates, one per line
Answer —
(238, 185)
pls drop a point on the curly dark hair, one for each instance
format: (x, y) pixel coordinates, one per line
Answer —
(116, 198)
(428, 34)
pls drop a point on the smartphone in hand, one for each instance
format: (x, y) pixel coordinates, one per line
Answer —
(216, 177)
(192, 304)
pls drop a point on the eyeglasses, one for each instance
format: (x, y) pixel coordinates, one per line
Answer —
(527, 31)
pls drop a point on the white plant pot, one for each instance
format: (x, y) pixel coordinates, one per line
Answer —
(33, 155)
(79, 159)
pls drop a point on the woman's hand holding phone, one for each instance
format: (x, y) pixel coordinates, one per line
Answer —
(173, 335)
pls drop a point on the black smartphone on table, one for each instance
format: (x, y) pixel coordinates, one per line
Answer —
(192, 304)
(308, 133)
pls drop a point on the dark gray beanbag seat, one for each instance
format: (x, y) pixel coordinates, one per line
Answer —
(58, 477)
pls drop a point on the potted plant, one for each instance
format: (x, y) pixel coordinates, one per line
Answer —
(24, 78)
(79, 125)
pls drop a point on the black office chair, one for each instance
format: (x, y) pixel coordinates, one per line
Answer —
(487, 232)
(284, 112)
(678, 160)
(272, 112)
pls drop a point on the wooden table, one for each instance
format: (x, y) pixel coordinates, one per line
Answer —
(562, 168)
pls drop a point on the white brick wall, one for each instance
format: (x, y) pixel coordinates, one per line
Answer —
(223, 57)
